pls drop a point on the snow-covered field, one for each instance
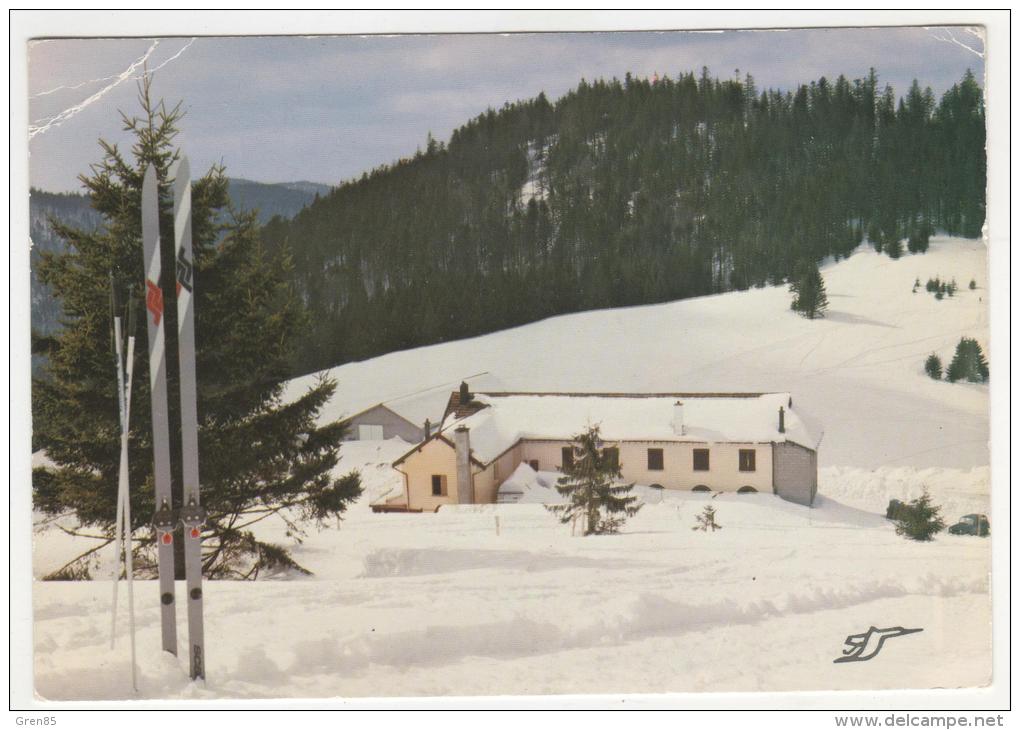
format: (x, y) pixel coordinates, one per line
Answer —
(440, 604)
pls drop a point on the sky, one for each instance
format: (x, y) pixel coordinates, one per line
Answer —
(327, 108)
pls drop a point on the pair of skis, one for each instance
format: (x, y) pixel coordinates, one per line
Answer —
(191, 515)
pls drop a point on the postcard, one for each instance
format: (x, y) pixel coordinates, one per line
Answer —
(452, 365)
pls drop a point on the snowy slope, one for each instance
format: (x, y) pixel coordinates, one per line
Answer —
(439, 604)
(858, 372)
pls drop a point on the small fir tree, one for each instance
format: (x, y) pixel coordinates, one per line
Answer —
(933, 366)
(920, 234)
(919, 519)
(973, 285)
(593, 489)
(893, 247)
(706, 520)
(808, 289)
(968, 363)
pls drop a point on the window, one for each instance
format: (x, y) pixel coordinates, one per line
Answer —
(438, 485)
(747, 489)
(533, 464)
(655, 460)
(612, 456)
(701, 488)
(700, 459)
(567, 455)
(747, 459)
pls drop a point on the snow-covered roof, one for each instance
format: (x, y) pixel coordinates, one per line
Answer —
(505, 418)
(427, 403)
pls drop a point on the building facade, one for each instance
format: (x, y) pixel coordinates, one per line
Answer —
(718, 442)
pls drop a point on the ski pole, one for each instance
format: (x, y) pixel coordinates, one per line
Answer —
(129, 553)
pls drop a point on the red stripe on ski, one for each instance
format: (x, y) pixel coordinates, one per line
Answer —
(154, 301)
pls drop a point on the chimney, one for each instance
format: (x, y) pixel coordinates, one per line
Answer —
(782, 420)
(679, 428)
(427, 429)
(462, 445)
(465, 394)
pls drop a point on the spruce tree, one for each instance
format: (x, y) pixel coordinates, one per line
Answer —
(808, 288)
(968, 363)
(706, 520)
(919, 519)
(933, 366)
(593, 489)
(259, 457)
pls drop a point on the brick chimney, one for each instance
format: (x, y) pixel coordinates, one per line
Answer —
(679, 427)
(465, 483)
(427, 430)
(465, 393)
(782, 420)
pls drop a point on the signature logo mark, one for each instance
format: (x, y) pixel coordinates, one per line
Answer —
(862, 647)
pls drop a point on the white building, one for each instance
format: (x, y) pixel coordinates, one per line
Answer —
(720, 442)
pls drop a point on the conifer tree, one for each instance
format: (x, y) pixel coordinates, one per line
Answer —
(593, 489)
(933, 366)
(706, 520)
(808, 288)
(968, 363)
(919, 519)
(259, 457)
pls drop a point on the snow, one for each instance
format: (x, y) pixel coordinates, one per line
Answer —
(439, 604)
(509, 418)
(859, 372)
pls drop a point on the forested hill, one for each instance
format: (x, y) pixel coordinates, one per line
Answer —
(73, 209)
(629, 192)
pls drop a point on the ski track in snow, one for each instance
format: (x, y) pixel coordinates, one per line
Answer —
(438, 604)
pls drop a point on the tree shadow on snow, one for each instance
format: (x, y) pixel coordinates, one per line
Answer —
(847, 318)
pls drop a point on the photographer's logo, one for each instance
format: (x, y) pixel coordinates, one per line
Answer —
(862, 647)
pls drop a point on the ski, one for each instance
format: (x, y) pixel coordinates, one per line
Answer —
(192, 514)
(165, 519)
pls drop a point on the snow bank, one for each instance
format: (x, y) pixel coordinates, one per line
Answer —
(439, 604)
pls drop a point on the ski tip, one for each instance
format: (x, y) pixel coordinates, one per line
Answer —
(149, 181)
(182, 171)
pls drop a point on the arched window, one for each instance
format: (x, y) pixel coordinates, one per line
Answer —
(656, 486)
(701, 488)
(747, 490)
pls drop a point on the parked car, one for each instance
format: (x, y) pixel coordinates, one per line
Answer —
(971, 525)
